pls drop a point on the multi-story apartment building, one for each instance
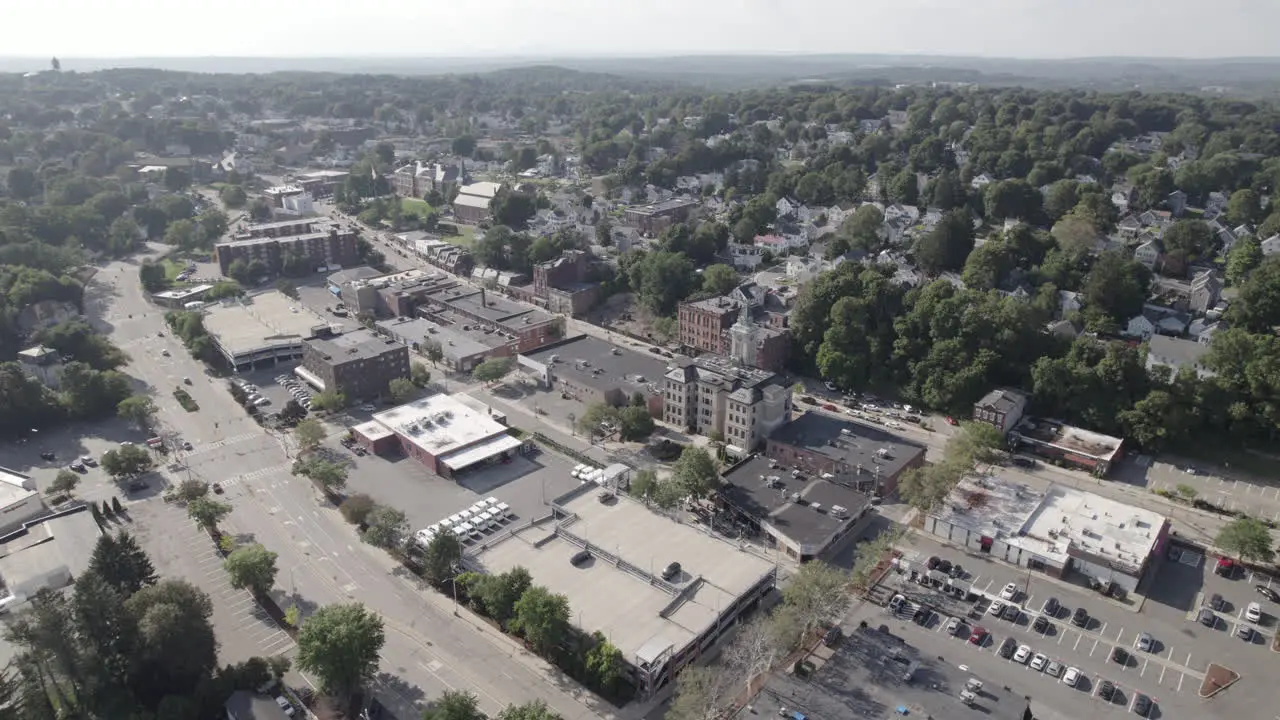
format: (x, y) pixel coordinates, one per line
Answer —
(655, 217)
(322, 242)
(715, 394)
(357, 364)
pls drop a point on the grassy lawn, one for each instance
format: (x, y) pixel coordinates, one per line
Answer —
(466, 237)
(414, 206)
(172, 268)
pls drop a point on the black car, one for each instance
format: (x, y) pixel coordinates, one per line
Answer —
(1141, 705)
(1007, 647)
(1023, 462)
(933, 562)
(1217, 603)
(1080, 618)
(1106, 690)
(956, 571)
(1267, 593)
(1120, 656)
(1051, 607)
(1207, 618)
(671, 571)
(46, 455)
(1011, 613)
(944, 566)
(1041, 624)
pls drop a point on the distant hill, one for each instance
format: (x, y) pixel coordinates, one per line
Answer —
(1247, 76)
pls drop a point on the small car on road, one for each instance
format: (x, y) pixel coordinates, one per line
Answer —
(1145, 642)
(1267, 593)
(1009, 591)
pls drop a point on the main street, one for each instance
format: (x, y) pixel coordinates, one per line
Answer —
(321, 561)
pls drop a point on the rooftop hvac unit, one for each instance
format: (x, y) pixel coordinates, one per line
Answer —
(795, 497)
(839, 510)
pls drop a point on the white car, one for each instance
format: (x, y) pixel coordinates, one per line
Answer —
(996, 608)
(1253, 612)
(1071, 677)
(1009, 592)
(953, 626)
(262, 401)
(1023, 654)
(1039, 661)
(367, 408)
(285, 705)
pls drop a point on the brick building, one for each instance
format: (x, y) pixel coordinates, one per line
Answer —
(416, 180)
(714, 394)
(653, 218)
(358, 364)
(472, 203)
(322, 242)
(561, 284)
(748, 325)
(864, 458)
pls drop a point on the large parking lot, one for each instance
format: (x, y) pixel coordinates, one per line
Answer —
(1170, 673)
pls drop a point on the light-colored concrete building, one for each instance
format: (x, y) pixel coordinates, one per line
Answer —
(261, 329)
(1055, 531)
(715, 394)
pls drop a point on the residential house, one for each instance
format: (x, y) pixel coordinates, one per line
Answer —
(1216, 201)
(1123, 196)
(787, 209)
(744, 257)
(1157, 320)
(1150, 253)
(980, 181)
(1001, 409)
(1069, 302)
(1202, 330)
(1064, 329)
(1271, 245)
(1206, 290)
(1129, 226)
(1177, 354)
(1176, 201)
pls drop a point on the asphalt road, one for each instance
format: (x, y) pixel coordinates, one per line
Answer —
(321, 561)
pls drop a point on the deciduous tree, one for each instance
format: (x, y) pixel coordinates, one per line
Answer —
(1246, 538)
(339, 645)
(542, 618)
(387, 528)
(251, 566)
(207, 512)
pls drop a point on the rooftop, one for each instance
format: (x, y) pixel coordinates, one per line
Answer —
(183, 293)
(763, 489)
(591, 362)
(360, 344)
(857, 445)
(15, 487)
(475, 201)
(440, 424)
(1066, 437)
(1055, 523)
(640, 614)
(351, 275)
(45, 548)
(260, 321)
(1003, 401)
(454, 342)
(244, 705)
(486, 190)
(664, 205)
(240, 241)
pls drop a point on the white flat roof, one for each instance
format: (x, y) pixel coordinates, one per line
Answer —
(1051, 522)
(440, 424)
(373, 430)
(622, 605)
(469, 456)
(471, 201)
(485, 189)
(260, 322)
(183, 293)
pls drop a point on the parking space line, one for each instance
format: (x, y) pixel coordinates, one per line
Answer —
(1170, 658)
(1181, 677)
(1094, 648)
(1163, 668)
(1102, 630)
(1079, 637)
(1144, 667)
(1187, 664)
(1062, 636)
(1118, 635)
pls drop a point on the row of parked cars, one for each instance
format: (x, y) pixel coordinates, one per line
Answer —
(296, 389)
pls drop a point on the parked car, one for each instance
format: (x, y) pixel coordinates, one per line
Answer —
(1217, 603)
(1207, 618)
(933, 562)
(1253, 612)
(1009, 591)
(997, 608)
(1145, 642)
(1072, 677)
(1080, 618)
(46, 455)
(1141, 705)
(1023, 654)
(1041, 624)
(1267, 593)
(978, 636)
(1039, 661)
(1023, 462)
(1054, 669)
(1051, 607)
(1106, 690)
(944, 567)
(832, 637)
(1007, 648)
(1011, 613)
(285, 705)
(956, 571)
(1226, 567)
(954, 626)
(1119, 655)
(1244, 632)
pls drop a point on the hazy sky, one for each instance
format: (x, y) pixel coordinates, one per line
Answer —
(329, 28)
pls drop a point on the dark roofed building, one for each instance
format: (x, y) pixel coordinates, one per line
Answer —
(852, 454)
(357, 364)
(596, 371)
(1002, 409)
(655, 217)
(803, 515)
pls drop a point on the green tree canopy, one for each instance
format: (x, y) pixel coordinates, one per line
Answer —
(339, 644)
(251, 566)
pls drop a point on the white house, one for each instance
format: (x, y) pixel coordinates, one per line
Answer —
(1271, 245)
(746, 257)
